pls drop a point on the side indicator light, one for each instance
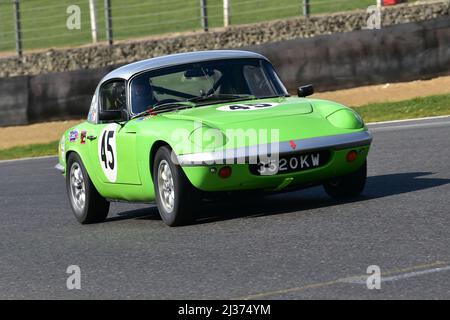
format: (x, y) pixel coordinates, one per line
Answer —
(352, 156)
(225, 172)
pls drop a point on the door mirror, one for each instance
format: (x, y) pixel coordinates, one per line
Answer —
(111, 115)
(305, 91)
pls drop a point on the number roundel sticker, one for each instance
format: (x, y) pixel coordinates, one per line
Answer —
(107, 151)
(247, 106)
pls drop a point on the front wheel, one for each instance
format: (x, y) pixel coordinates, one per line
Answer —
(87, 204)
(350, 185)
(176, 198)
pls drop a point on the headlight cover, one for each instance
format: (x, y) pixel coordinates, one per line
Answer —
(208, 138)
(346, 119)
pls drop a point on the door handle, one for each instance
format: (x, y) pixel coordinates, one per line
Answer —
(91, 138)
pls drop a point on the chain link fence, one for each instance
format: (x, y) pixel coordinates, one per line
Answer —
(34, 24)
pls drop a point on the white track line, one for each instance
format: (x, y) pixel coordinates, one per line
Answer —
(407, 120)
(27, 159)
(411, 126)
(363, 280)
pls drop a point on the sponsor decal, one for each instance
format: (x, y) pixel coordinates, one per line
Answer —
(73, 135)
(247, 106)
(83, 137)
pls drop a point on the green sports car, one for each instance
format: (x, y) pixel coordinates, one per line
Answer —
(177, 128)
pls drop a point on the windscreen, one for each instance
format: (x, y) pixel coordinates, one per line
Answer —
(255, 77)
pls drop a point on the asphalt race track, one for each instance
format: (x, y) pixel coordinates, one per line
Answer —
(300, 245)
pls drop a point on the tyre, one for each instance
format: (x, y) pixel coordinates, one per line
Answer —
(350, 185)
(176, 198)
(87, 204)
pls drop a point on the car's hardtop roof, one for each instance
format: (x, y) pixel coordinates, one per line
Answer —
(127, 71)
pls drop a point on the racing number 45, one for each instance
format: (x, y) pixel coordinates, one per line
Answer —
(107, 152)
(106, 147)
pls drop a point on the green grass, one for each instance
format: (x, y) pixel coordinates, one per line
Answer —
(438, 105)
(34, 150)
(44, 21)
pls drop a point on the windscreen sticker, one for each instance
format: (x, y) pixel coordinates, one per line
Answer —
(107, 151)
(92, 116)
(247, 106)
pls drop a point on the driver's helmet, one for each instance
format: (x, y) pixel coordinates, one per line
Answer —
(141, 94)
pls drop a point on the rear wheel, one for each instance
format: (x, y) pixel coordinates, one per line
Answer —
(87, 204)
(176, 198)
(350, 185)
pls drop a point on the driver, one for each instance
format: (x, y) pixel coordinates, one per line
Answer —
(142, 97)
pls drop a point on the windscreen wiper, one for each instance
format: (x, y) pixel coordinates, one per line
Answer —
(170, 105)
(222, 96)
(276, 96)
(165, 106)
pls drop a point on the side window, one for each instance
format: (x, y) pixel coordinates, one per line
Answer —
(113, 96)
(257, 81)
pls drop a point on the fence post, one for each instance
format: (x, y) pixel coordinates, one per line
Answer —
(108, 19)
(306, 8)
(204, 14)
(226, 13)
(93, 15)
(380, 4)
(18, 27)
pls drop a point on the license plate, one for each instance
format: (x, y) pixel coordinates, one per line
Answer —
(291, 163)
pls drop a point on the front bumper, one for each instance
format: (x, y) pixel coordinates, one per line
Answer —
(246, 154)
(201, 175)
